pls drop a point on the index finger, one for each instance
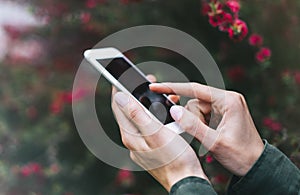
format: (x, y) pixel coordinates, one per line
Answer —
(193, 90)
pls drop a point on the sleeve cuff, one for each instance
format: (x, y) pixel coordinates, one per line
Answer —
(192, 186)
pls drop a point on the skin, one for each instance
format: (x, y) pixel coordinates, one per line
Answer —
(234, 140)
(160, 151)
(219, 119)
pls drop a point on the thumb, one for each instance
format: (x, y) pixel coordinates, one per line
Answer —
(194, 126)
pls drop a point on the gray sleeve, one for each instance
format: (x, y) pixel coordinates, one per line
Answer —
(192, 186)
(273, 173)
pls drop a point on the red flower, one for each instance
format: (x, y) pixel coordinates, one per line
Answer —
(25, 171)
(56, 106)
(276, 126)
(267, 121)
(215, 20)
(255, 40)
(205, 9)
(238, 30)
(236, 73)
(226, 21)
(219, 179)
(85, 17)
(124, 177)
(297, 77)
(272, 124)
(31, 168)
(91, 3)
(35, 167)
(209, 159)
(234, 6)
(263, 54)
(14, 32)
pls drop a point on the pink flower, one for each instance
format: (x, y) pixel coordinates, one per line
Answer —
(14, 32)
(226, 21)
(76, 95)
(273, 125)
(297, 77)
(205, 8)
(276, 126)
(263, 54)
(219, 179)
(31, 168)
(215, 20)
(234, 6)
(216, 8)
(209, 158)
(91, 3)
(35, 167)
(125, 178)
(56, 107)
(267, 121)
(236, 73)
(85, 17)
(238, 30)
(25, 171)
(255, 40)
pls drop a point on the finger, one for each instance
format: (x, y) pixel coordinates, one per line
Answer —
(130, 135)
(113, 91)
(194, 107)
(151, 78)
(145, 122)
(154, 133)
(199, 108)
(174, 98)
(194, 126)
(194, 90)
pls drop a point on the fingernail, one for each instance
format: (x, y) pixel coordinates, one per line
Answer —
(121, 99)
(176, 112)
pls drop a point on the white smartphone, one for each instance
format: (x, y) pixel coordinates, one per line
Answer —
(125, 76)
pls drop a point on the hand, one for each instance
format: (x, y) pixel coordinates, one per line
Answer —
(164, 154)
(234, 142)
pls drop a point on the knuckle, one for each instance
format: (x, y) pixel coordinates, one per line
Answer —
(236, 99)
(217, 146)
(132, 156)
(194, 87)
(191, 103)
(134, 112)
(126, 142)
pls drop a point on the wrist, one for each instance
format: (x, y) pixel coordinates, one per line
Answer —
(253, 157)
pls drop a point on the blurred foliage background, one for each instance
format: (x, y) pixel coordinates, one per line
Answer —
(41, 151)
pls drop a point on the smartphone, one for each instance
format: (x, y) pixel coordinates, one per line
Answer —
(126, 77)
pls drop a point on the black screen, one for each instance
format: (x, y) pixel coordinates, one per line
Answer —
(138, 86)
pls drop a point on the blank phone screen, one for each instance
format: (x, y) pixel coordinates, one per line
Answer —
(136, 83)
